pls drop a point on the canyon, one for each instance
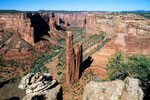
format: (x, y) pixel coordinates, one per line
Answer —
(33, 42)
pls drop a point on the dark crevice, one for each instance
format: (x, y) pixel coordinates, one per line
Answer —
(61, 21)
(39, 97)
(58, 27)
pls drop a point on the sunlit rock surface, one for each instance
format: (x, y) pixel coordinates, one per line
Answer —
(40, 86)
(114, 90)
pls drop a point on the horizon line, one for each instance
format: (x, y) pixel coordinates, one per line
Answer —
(82, 10)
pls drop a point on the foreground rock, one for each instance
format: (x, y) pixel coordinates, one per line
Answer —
(40, 87)
(114, 90)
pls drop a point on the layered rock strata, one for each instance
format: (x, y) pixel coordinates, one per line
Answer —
(112, 24)
(40, 85)
(18, 23)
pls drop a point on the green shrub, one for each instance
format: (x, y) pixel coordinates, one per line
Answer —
(59, 73)
(44, 69)
(40, 64)
(58, 47)
(12, 80)
(62, 41)
(83, 37)
(24, 74)
(96, 79)
(63, 78)
(59, 64)
(121, 65)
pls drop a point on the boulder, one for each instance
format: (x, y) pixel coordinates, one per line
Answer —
(114, 90)
(40, 87)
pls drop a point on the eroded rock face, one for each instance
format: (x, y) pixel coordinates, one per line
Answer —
(70, 63)
(41, 85)
(98, 23)
(25, 31)
(18, 23)
(78, 53)
(72, 19)
(114, 90)
(73, 64)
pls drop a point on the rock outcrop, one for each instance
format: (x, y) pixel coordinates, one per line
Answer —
(114, 90)
(40, 86)
(72, 72)
(70, 63)
(78, 54)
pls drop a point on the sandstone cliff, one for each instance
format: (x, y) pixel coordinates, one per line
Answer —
(112, 24)
(129, 33)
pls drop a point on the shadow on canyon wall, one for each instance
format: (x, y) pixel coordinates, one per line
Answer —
(84, 65)
(40, 25)
(60, 26)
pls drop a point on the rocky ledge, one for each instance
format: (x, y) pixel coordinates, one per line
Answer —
(40, 87)
(114, 90)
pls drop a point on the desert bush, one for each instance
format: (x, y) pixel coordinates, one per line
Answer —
(12, 80)
(40, 64)
(44, 69)
(95, 41)
(24, 74)
(59, 64)
(59, 73)
(63, 78)
(62, 41)
(136, 66)
(96, 79)
(77, 34)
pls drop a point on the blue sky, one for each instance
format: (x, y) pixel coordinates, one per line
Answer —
(97, 5)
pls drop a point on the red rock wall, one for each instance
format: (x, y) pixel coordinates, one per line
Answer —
(98, 23)
(70, 62)
(18, 23)
(73, 64)
(16, 54)
(78, 54)
(79, 18)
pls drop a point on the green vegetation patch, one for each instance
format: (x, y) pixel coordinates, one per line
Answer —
(137, 66)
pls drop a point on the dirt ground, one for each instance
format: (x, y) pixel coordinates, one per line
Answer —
(10, 91)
